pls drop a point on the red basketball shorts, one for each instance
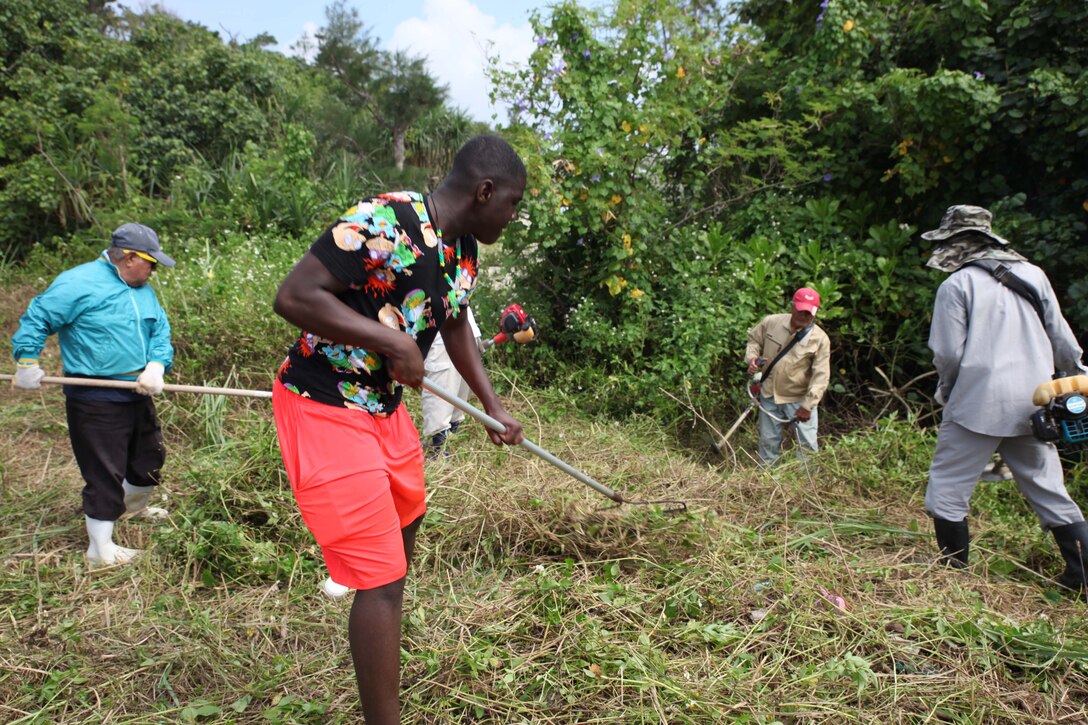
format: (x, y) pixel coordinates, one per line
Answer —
(357, 479)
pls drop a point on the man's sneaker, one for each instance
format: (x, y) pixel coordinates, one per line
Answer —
(332, 590)
(996, 470)
(437, 445)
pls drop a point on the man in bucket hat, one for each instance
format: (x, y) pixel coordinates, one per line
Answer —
(110, 325)
(991, 349)
(794, 356)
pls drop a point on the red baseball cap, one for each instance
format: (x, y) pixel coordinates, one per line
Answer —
(806, 299)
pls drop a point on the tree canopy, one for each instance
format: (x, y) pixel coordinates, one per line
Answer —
(691, 163)
(695, 163)
(105, 115)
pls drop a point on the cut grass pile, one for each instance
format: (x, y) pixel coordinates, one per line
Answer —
(809, 594)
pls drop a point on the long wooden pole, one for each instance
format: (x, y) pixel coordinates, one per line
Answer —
(169, 387)
(428, 384)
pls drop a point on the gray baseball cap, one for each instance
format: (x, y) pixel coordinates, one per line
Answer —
(138, 238)
(964, 218)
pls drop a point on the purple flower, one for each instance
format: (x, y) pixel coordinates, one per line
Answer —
(595, 178)
(828, 176)
(558, 68)
(669, 55)
(581, 241)
(979, 76)
(585, 54)
(521, 105)
(541, 41)
(819, 19)
(823, 5)
(600, 151)
(548, 136)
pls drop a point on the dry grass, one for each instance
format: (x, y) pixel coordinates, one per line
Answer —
(533, 599)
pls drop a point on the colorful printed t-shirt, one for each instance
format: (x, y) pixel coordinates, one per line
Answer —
(400, 273)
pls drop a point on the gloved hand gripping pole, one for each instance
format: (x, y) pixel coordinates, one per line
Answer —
(487, 420)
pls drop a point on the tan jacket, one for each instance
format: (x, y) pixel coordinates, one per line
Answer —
(802, 375)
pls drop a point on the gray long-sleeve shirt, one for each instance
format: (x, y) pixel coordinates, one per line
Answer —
(991, 350)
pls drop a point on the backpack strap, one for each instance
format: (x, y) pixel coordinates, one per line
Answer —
(786, 348)
(1005, 276)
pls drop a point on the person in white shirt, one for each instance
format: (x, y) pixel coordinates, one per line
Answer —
(440, 419)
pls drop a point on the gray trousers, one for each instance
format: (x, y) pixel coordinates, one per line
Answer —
(771, 430)
(962, 454)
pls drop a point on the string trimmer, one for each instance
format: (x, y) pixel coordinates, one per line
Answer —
(514, 324)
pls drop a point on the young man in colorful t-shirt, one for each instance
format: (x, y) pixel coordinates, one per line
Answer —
(371, 294)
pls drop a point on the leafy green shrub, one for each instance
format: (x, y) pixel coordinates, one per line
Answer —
(238, 519)
(219, 298)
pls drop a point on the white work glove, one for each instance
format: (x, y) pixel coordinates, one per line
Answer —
(150, 381)
(28, 375)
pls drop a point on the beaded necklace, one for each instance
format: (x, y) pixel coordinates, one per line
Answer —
(452, 296)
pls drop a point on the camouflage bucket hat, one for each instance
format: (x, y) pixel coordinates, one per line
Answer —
(963, 218)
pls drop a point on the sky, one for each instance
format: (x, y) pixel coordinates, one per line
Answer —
(454, 35)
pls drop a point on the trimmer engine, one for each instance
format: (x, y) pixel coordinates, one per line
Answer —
(1064, 420)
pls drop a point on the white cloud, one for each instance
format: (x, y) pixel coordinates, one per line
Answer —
(305, 45)
(456, 37)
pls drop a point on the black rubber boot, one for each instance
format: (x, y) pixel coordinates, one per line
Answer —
(954, 538)
(1073, 544)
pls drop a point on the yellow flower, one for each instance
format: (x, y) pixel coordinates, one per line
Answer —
(534, 191)
(680, 72)
(637, 294)
(616, 199)
(1085, 205)
(626, 126)
(947, 159)
(848, 26)
(643, 128)
(614, 284)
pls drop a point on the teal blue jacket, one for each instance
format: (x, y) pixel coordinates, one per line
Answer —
(105, 328)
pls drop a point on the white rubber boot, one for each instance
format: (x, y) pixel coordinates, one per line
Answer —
(102, 551)
(332, 590)
(137, 499)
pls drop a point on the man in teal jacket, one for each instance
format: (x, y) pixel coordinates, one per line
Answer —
(110, 325)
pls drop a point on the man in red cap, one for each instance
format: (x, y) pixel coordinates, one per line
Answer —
(793, 356)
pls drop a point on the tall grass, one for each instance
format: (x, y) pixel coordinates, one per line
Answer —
(532, 599)
(807, 594)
